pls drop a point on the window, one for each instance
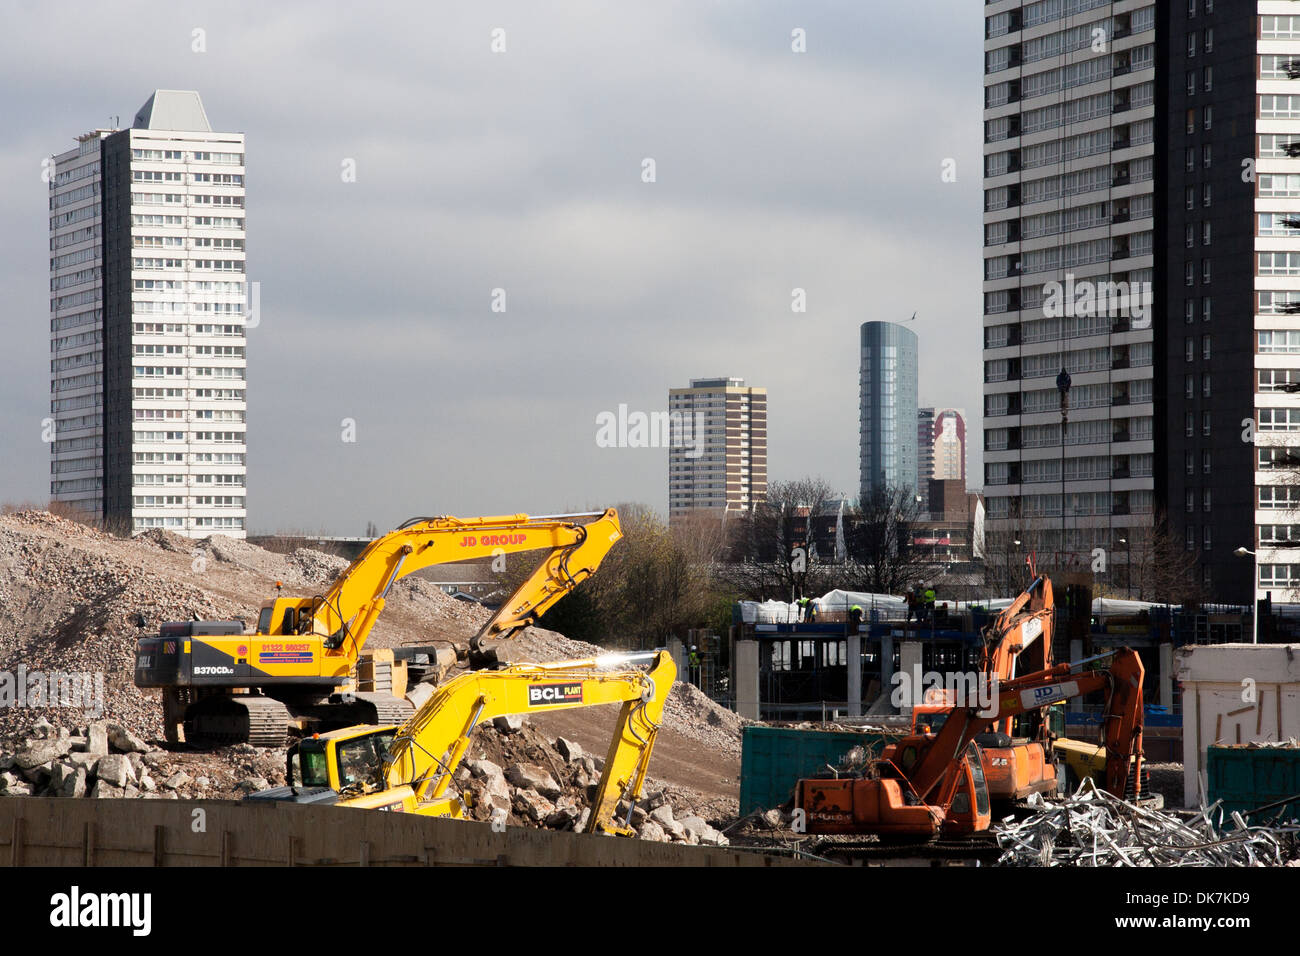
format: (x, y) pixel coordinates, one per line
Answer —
(1189, 424)
(1279, 575)
(1189, 159)
(1207, 119)
(1189, 350)
(1205, 500)
(1189, 273)
(1191, 44)
(1191, 8)
(1205, 385)
(1205, 156)
(1190, 195)
(1191, 537)
(1189, 463)
(1209, 39)
(1205, 232)
(1205, 309)
(1190, 235)
(1191, 82)
(1209, 79)
(1189, 388)
(1279, 497)
(1189, 311)
(1205, 347)
(1205, 195)
(1191, 121)
(1205, 462)
(1205, 538)
(1189, 501)
(1205, 272)
(1278, 340)
(1205, 426)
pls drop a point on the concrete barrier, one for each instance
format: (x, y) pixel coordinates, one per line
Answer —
(43, 831)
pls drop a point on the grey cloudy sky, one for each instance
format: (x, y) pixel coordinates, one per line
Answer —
(522, 170)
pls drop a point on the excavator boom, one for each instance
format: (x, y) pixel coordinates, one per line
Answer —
(225, 686)
(410, 768)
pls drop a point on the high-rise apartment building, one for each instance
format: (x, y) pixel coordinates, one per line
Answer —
(1070, 126)
(1126, 143)
(147, 323)
(924, 456)
(888, 409)
(948, 445)
(717, 460)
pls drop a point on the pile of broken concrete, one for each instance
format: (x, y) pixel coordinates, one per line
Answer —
(538, 783)
(102, 759)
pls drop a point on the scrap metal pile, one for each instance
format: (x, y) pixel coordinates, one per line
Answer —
(1094, 828)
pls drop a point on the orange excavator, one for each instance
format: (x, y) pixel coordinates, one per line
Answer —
(1018, 763)
(1017, 753)
(933, 783)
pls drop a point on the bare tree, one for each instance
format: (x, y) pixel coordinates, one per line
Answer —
(770, 548)
(879, 539)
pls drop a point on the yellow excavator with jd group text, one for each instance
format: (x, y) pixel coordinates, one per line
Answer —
(305, 667)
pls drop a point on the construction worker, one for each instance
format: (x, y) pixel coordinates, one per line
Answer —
(913, 603)
(813, 607)
(803, 608)
(855, 617)
(929, 603)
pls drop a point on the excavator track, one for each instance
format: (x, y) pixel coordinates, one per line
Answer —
(221, 720)
(386, 709)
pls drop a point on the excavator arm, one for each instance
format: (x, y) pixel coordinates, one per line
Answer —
(1122, 720)
(344, 615)
(413, 765)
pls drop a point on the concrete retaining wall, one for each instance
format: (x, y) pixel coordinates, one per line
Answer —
(41, 831)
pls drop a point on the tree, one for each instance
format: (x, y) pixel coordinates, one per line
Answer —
(653, 584)
(770, 549)
(878, 537)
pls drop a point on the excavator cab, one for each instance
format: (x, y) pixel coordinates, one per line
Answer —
(969, 811)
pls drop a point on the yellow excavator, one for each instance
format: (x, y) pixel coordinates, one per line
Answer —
(305, 666)
(409, 768)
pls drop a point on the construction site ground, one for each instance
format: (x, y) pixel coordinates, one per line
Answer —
(75, 600)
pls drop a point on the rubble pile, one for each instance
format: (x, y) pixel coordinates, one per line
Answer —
(692, 713)
(1094, 828)
(105, 760)
(514, 773)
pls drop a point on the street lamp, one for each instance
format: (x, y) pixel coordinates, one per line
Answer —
(1128, 569)
(1241, 553)
(1063, 386)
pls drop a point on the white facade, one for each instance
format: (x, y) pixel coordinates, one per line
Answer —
(184, 254)
(1277, 285)
(1069, 130)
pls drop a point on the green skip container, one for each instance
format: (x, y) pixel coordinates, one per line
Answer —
(774, 758)
(1246, 778)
